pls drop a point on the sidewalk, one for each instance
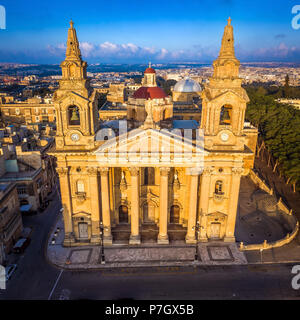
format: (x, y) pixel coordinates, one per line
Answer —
(144, 255)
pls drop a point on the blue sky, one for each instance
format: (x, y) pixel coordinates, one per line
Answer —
(132, 31)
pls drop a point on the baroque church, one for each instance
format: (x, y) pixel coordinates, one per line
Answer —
(152, 172)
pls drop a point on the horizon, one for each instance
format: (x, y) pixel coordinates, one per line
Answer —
(119, 33)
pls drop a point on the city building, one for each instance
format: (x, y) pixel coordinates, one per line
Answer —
(10, 218)
(123, 180)
(24, 161)
(32, 111)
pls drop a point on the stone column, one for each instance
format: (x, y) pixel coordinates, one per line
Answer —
(135, 207)
(95, 204)
(107, 237)
(66, 200)
(233, 204)
(163, 204)
(193, 194)
(204, 200)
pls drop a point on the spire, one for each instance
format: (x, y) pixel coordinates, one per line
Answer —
(73, 51)
(227, 47)
(227, 65)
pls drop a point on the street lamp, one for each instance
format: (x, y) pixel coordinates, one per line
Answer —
(102, 256)
(196, 228)
(261, 255)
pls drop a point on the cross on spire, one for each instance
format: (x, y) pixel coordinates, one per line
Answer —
(149, 64)
(229, 21)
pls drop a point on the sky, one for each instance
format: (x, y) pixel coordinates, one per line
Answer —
(138, 31)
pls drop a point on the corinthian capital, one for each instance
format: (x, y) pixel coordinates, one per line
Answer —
(104, 171)
(62, 171)
(134, 171)
(92, 171)
(164, 171)
(207, 171)
(237, 170)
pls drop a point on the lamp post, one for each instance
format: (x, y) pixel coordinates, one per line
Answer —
(102, 228)
(196, 228)
(261, 255)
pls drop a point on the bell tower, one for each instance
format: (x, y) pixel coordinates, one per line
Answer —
(76, 103)
(224, 100)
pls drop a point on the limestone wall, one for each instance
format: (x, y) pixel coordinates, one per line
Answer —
(263, 185)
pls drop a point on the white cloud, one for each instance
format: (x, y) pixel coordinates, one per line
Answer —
(130, 52)
(86, 48)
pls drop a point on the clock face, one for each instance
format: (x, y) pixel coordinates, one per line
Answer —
(224, 136)
(75, 137)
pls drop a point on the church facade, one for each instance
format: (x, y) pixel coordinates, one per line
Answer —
(150, 170)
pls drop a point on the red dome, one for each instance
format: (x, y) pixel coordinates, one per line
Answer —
(149, 70)
(149, 93)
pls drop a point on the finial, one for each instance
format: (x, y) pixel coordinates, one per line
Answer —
(71, 24)
(229, 21)
(149, 64)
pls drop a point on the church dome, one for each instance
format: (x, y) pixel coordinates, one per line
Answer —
(149, 93)
(187, 85)
(149, 70)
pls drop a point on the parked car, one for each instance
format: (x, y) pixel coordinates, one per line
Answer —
(21, 245)
(9, 270)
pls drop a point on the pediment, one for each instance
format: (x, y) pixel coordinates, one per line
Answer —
(229, 95)
(152, 146)
(81, 213)
(72, 96)
(217, 214)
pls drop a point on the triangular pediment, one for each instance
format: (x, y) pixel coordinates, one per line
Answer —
(152, 146)
(72, 96)
(230, 94)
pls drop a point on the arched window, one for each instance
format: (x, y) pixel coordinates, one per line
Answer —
(219, 187)
(149, 176)
(225, 115)
(80, 186)
(74, 116)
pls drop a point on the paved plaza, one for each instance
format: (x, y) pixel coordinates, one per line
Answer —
(147, 254)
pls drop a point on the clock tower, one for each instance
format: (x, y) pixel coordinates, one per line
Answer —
(224, 100)
(76, 104)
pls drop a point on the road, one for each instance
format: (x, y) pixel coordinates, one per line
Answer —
(36, 279)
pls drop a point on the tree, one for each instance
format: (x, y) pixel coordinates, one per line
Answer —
(287, 86)
(279, 127)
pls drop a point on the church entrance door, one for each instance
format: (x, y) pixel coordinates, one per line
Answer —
(83, 230)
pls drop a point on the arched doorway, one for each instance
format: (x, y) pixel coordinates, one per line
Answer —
(174, 214)
(123, 214)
